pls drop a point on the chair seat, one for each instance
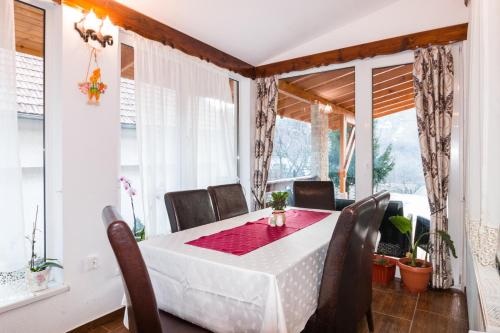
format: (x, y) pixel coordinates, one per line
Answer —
(171, 323)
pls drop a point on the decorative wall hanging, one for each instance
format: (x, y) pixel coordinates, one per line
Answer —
(93, 86)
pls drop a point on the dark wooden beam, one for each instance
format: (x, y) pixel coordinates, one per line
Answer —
(147, 27)
(413, 41)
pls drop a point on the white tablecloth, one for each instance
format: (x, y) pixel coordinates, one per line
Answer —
(272, 289)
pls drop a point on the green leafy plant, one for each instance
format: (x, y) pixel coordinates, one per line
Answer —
(382, 260)
(36, 263)
(404, 225)
(278, 200)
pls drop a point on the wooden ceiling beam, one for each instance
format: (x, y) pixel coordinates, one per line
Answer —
(147, 27)
(413, 41)
(306, 96)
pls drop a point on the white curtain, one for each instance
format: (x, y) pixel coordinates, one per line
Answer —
(482, 129)
(186, 126)
(12, 241)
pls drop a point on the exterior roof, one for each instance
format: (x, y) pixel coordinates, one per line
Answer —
(29, 89)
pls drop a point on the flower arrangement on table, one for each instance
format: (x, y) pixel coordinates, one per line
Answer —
(278, 203)
(139, 229)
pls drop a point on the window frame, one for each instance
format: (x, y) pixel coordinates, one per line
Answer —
(43, 118)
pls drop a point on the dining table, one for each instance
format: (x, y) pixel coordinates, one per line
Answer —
(272, 288)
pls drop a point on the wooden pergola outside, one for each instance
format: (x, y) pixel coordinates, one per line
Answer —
(392, 92)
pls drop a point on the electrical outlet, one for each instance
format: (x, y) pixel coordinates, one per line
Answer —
(91, 263)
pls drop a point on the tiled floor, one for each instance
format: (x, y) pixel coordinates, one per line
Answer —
(394, 310)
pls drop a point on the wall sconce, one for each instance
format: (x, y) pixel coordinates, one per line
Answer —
(90, 26)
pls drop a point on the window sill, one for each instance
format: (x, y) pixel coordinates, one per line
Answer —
(34, 297)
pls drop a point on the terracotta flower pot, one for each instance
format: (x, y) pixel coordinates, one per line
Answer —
(415, 279)
(383, 274)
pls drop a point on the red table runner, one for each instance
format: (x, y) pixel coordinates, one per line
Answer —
(253, 235)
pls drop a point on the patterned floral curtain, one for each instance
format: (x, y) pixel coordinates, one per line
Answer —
(433, 82)
(265, 120)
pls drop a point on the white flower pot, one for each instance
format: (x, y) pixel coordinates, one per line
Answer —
(38, 281)
(277, 218)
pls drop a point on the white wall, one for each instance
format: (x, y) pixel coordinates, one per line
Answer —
(401, 18)
(84, 164)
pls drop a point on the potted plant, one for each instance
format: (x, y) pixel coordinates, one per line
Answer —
(416, 273)
(278, 203)
(39, 267)
(139, 229)
(384, 269)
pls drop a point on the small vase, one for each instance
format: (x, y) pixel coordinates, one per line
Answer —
(38, 281)
(277, 219)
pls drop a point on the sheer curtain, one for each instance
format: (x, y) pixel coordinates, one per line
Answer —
(482, 134)
(12, 241)
(185, 126)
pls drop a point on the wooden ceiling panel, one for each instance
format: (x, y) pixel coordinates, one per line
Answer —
(393, 82)
(337, 93)
(127, 61)
(392, 111)
(389, 101)
(392, 92)
(312, 81)
(29, 29)
(409, 103)
(387, 73)
(398, 90)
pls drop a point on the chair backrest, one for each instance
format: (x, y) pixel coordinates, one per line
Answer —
(142, 308)
(189, 209)
(314, 194)
(228, 201)
(365, 278)
(382, 200)
(337, 303)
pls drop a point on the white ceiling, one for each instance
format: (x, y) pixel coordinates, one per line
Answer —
(255, 30)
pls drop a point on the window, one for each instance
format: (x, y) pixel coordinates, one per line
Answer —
(208, 123)
(129, 144)
(315, 131)
(291, 150)
(29, 24)
(397, 166)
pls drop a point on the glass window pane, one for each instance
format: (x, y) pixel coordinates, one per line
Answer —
(315, 131)
(397, 166)
(31, 114)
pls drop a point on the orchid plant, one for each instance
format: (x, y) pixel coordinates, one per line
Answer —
(36, 263)
(139, 230)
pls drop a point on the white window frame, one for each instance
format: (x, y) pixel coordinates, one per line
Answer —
(364, 142)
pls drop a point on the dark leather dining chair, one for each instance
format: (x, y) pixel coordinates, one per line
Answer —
(143, 313)
(228, 201)
(314, 194)
(340, 301)
(189, 209)
(382, 199)
(365, 284)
